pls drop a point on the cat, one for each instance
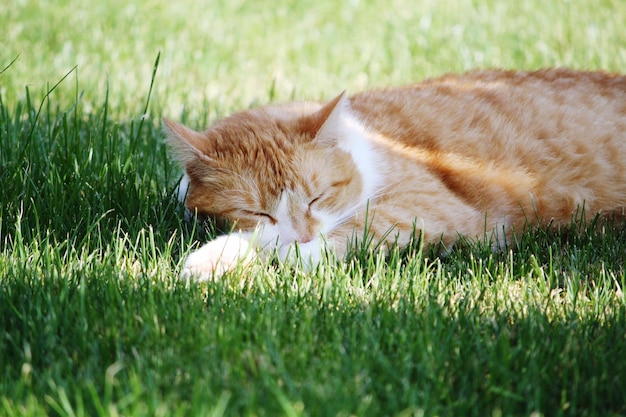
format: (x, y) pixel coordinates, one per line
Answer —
(479, 154)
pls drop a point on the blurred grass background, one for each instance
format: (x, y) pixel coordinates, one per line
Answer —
(225, 54)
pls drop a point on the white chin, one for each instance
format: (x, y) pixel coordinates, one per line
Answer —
(307, 254)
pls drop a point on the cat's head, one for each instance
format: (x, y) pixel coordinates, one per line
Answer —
(290, 169)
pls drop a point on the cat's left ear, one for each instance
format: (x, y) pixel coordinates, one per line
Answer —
(186, 144)
(327, 124)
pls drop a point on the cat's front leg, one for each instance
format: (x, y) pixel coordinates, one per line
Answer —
(219, 256)
(225, 253)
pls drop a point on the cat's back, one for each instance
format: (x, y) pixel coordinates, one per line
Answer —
(556, 135)
(495, 106)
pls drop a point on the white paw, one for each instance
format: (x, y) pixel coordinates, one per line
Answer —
(217, 257)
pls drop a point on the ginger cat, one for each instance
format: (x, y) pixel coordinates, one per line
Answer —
(483, 152)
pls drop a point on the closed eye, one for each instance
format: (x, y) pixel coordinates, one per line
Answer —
(316, 199)
(261, 214)
(341, 183)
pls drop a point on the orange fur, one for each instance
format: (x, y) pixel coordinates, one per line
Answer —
(460, 155)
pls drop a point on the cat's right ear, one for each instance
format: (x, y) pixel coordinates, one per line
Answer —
(185, 143)
(329, 122)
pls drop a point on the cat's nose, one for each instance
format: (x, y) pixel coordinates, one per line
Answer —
(305, 238)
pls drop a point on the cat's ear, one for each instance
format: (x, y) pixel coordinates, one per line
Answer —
(327, 123)
(186, 144)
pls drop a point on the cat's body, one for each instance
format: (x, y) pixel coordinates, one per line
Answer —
(473, 154)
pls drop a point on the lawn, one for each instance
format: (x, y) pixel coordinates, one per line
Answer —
(94, 320)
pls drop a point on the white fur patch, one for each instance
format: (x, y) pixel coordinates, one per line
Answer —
(217, 257)
(351, 136)
(183, 188)
(356, 142)
(181, 193)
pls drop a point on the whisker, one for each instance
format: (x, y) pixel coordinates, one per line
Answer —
(363, 204)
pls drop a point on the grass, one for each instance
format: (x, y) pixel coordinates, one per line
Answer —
(94, 320)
